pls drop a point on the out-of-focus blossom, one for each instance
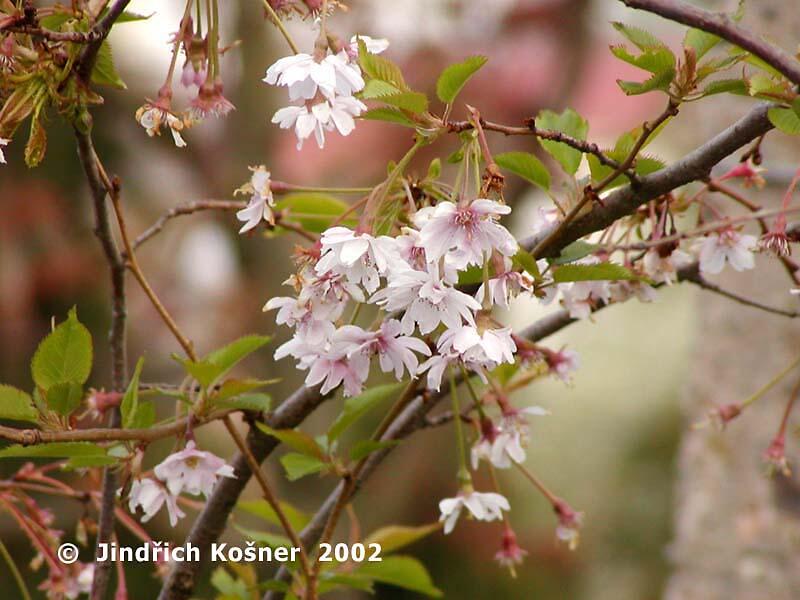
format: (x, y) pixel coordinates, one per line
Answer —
(664, 269)
(727, 246)
(261, 200)
(150, 496)
(152, 117)
(484, 506)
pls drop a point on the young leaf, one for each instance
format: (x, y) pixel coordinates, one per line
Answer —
(454, 78)
(231, 388)
(598, 272)
(526, 165)
(295, 439)
(722, 86)
(389, 115)
(401, 571)
(379, 67)
(53, 450)
(642, 39)
(356, 407)
(659, 81)
(525, 260)
(16, 405)
(219, 362)
(86, 462)
(228, 587)
(572, 124)
(375, 88)
(130, 401)
(364, 448)
(299, 465)
(259, 508)
(64, 398)
(64, 356)
(273, 540)
(414, 102)
(394, 537)
(575, 251)
(701, 41)
(256, 402)
(104, 72)
(784, 119)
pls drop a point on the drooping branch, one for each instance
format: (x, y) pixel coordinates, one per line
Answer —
(725, 27)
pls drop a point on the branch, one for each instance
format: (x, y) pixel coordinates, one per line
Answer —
(79, 37)
(185, 209)
(102, 230)
(101, 29)
(694, 166)
(722, 25)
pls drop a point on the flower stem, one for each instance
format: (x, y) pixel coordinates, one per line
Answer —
(463, 473)
(15, 571)
(771, 383)
(279, 24)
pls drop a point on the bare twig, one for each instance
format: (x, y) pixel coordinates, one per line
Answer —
(185, 209)
(101, 29)
(726, 28)
(79, 37)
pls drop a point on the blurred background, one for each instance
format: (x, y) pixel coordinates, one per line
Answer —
(610, 444)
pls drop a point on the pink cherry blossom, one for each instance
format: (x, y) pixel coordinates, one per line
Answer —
(192, 471)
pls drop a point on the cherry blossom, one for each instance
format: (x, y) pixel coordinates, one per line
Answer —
(509, 444)
(505, 287)
(261, 200)
(192, 471)
(395, 351)
(581, 297)
(3, 142)
(324, 116)
(305, 77)
(472, 230)
(361, 257)
(153, 116)
(150, 496)
(335, 367)
(373, 45)
(569, 524)
(510, 554)
(727, 246)
(664, 269)
(484, 506)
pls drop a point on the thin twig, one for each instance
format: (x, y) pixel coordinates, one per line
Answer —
(700, 281)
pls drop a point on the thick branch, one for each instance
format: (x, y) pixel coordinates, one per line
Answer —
(722, 25)
(101, 29)
(694, 166)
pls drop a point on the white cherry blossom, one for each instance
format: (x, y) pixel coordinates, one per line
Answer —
(335, 367)
(395, 351)
(326, 115)
(664, 269)
(505, 287)
(192, 471)
(581, 297)
(152, 117)
(728, 246)
(471, 230)
(360, 257)
(261, 200)
(373, 45)
(3, 142)
(150, 496)
(484, 506)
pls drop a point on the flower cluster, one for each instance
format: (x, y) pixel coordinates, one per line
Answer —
(321, 87)
(192, 471)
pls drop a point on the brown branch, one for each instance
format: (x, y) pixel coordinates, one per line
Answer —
(102, 229)
(185, 209)
(101, 29)
(722, 25)
(79, 37)
(30, 437)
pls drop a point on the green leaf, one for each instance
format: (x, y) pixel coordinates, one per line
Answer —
(575, 251)
(230, 588)
(655, 61)
(273, 540)
(260, 508)
(454, 78)
(356, 407)
(255, 402)
(415, 102)
(104, 72)
(295, 439)
(796, 106)
(722, 86)
(389, 115)
(217, 363)
(299, 465)
(434, 169)
(572, 124)
(16, 405)
(380, 67)
(331, 580)
(364, 448)
(130, 401)
(64, 356)
(644, 166)
(599, 272)
(471, 275)
(53, 450)
(64, 398)
(642, 39)
(659, 81)
(401, 571)
(394, 537)
(526, 165)
(87, 462)
(784, 119)
(376, 88)
(701, 41)
(314, 211)
(525, 260)
(231, 388)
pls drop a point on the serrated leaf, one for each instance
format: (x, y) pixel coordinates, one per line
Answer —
(87, 462)
(599, 272)
(295, 439)
(722, 86)
(104, 72)
(401, 571)
(526, 261)
(380, 67)
(16, 405)
(701, 41)
(414, 102)
(572, 124)
(639, 37)
(784, 119)
(53, 450)
(654, 61)
(526, 165)
(64, 398)
(388, 115)
(455, 77)
(356, 407)
(315, 211)
(575, 251)
(299, 465)
(219, 362)
(261, 509)
(364, 448)
(236, 387)
(64, 356)
(394, 537)
(376, 88)
(256, 402)
(130, 401)
(659, 81)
